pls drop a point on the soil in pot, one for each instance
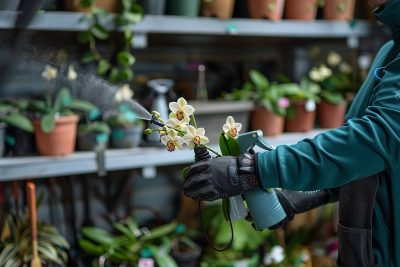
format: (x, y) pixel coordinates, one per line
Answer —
(339, 9)
(270, 9)
(266, 121)
(330, 115)
(222, 9)
(3, 127)
(301, 9)
(188, 8)
(112, 6)
(23, 142)
(302, 120)
(59, 142)
(127, 137)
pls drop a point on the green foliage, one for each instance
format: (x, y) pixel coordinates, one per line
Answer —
(116, 69)
(228, 146)
(18, 250)
(125, 117)
(13, 113)
(94, 127)
(62, 105)
(125, 245)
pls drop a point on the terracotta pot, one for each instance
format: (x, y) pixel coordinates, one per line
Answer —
(266, 121)
(270, 9)
(222, 9)
(301, 9)
(339, 9)
(61, 141)
(302, 121)
(112, 6)
(331, 116)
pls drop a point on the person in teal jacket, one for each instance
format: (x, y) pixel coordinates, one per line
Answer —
(362, 158)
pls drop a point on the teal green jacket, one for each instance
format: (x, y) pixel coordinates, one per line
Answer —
(368, 143)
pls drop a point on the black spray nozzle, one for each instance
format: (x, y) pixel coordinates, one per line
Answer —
(155, 121)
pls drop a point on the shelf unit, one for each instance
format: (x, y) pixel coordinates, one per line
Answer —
(116, 159)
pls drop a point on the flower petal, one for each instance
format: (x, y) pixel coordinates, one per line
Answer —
(230, 121)
(165, 139)
(174, 107)
(181, 102)
(204, 140)
(188, 109)
(238, 126)
(172, 134)
(200, 132)
(188, 139)
(226, 128)
(191, 130)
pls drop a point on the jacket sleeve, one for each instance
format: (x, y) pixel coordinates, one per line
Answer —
(362, 147)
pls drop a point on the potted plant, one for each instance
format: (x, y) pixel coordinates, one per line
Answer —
(56, 123)
(222, 9)
(18, 250)
(184, 250)
(154, 7)
(188, 8)
(118, 67)
(11, 115)
(130, 245)
(301, 9)
(334, 78)
(338, 9)
(271, 103)
(301, 113)
(270, 9)
(86, 5)
(126, 129)
(92, 133)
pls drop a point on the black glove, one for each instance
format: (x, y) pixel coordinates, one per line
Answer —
(221, 177)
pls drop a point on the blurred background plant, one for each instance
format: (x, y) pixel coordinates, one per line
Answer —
(116, 68)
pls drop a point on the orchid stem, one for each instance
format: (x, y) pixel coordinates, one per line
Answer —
(213, 151)
(194, 121)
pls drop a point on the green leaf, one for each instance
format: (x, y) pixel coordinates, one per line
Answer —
(18, 120)
(114, 75)
(48, 252)
(48, 122)
(228, 146)
(86, 3)
(125, 58)
(9, 252)
(103, 67)
(96, 127)
(98, 235)
(38, 105)
(334, 98)
(88, 57)
(81, 105)
(63, 99)
(91, 248)
(84, 37)
(160, 231)
(125, 230)
(126, 75)
(259, 80)
(184, 172)
(99, 32)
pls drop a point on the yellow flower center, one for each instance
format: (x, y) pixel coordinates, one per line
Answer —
(171, 145)
(196, 140)
(180, 115)
(233, 132)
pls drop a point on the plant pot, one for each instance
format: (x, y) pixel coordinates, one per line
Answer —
(302, 120)
(24, 142)
(3, 127)
(270, 9)
(266, 121)
(188, 8)
(301, 9)
(211, 115)
(87, 141)
(9, 5)
(112, 6)
(61, 141)
(330, 115)
(222, 9)
(126, 137)
(188, 259)
(339, 9)
(154, 7)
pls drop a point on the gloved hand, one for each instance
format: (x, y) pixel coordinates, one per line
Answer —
(221, 177)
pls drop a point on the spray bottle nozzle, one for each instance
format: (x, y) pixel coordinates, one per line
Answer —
(154, 120)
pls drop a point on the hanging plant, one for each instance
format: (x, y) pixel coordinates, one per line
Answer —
(117, 68)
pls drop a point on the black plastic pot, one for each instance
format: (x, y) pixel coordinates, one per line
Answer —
(87, 141)
(126, 137)
(23, 142)
(3, 127)
(188, 8)
(189, 259)
(154, 7)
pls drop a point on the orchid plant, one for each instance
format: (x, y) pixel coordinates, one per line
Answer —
(181, 128)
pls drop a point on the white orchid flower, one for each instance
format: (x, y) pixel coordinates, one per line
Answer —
(324, 71)
(315, 75)
(123, 94)
(181, 110)
(72, 75)
(49, 73)
(275, 256)
(176, 124)
(345, 68)
(231, 128)
(195, 137)
(172, 140)
(334, 58)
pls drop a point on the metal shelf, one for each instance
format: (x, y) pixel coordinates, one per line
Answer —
(71, 21)
(118, 159)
